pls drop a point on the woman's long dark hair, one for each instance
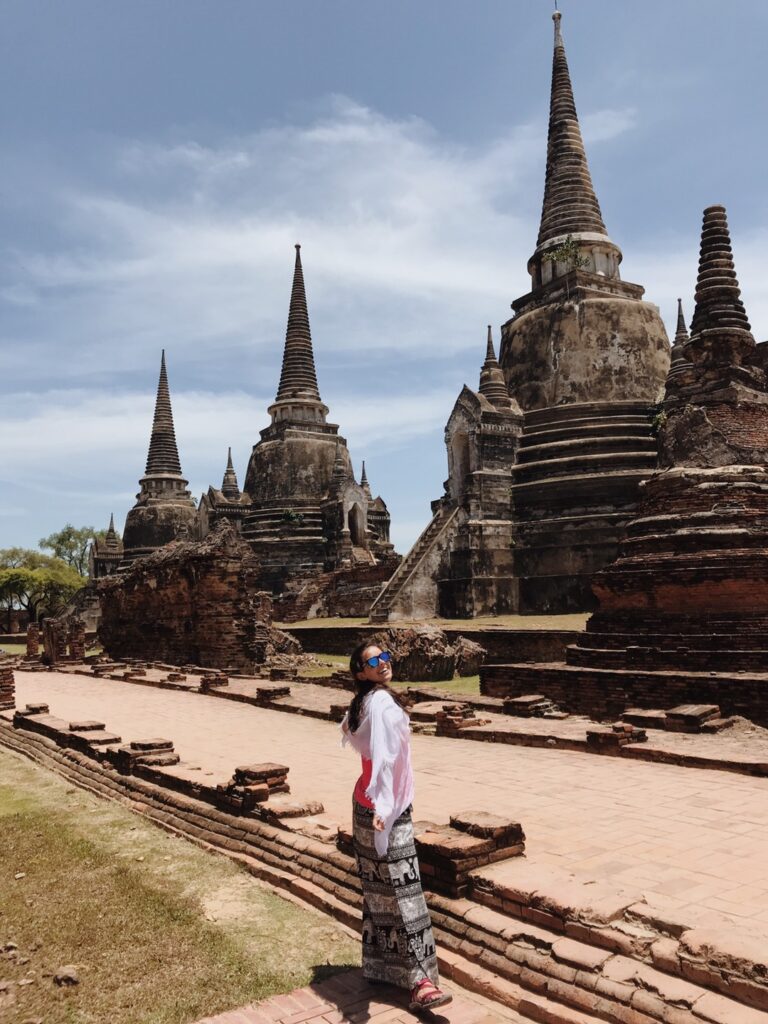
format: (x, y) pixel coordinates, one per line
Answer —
(363, 686)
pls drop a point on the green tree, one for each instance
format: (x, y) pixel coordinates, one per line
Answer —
(39, 583)
(568, 253)
(71, 544)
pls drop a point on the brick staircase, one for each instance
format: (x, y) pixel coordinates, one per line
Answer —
(395, 586)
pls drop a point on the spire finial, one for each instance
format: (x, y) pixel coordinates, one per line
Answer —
(298, 378)
(492, 383)
(489, 352)
(681, 333)
(557, 17)
(163, 456)
(570, 204)
(229, 485)
(111, 539)
(364, 483)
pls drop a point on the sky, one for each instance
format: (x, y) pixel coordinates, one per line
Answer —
(160, 158)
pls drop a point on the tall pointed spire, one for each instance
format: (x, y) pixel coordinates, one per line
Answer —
(298, 378)
(163, 456)
(570, 204)
(681, 334)
(111, 540)
(229, 487)
(718, 303)
(677, 354)
(364, 482)
(492, 383)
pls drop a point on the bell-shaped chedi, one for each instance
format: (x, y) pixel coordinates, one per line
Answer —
(683, 611)
(581, 334)
(305, 511)
(164, 509)
(714, 397)
(582, 365)
(586, 358)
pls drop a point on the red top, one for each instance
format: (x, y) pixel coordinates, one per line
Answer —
(363, 783)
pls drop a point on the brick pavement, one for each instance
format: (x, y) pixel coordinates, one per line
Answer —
(348, 997)
(696, 838)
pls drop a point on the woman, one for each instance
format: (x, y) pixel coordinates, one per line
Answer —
(398, 945)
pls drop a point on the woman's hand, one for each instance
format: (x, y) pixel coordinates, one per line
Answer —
(378, 823)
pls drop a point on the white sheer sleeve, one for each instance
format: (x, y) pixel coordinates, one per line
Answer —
(344, 727)
(389, 730)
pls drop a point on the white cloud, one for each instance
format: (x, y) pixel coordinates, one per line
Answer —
(603, 125)
(411, 244)
(406, 236)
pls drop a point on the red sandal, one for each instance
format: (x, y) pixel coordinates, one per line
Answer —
(427, 996)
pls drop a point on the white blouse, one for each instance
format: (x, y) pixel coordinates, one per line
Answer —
(384, 738)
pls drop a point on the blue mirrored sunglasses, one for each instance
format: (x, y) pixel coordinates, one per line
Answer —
(385, 656)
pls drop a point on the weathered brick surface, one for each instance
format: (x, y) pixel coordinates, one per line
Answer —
(7, 685)
(570, 975)
(192, 603)
(33, 640)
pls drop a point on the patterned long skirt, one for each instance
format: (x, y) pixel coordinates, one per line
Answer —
(398, 945)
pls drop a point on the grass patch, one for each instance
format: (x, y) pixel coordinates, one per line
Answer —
(328, 664)
(14, 648)
(159, 931)
(577, 621)
(468, 685)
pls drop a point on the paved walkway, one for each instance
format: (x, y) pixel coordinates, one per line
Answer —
(698, 838)
(348, 997)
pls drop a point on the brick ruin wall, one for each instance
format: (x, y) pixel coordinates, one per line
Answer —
(342, 593)
(606, 695)
(191, 603)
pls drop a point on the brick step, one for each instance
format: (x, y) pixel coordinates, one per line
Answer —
(587, 428)
(271, 522)
(733, 563)
(587, 412)
(576, 465)
(600, 954)
(567, 447)
(669, 640)
(293, 534)
(554, 494)
(605, 693)
(665, 524)
(726, 538)
(554, 949)
(656, 659)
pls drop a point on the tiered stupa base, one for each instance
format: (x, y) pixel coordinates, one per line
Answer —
(575, 489)
(683, 612)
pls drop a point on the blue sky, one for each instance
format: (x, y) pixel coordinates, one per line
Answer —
(160, 158)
